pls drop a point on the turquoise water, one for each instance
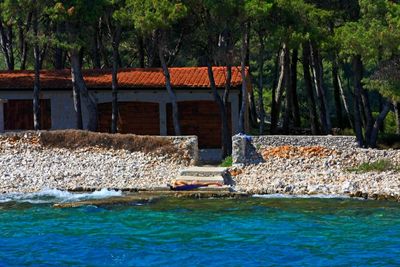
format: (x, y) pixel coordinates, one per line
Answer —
(178, 232)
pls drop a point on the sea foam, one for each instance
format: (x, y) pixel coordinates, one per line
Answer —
(55, 195)
(300, 196)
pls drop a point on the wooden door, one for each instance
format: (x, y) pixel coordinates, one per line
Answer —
(18, 114)
(140, 118)
(201, 118)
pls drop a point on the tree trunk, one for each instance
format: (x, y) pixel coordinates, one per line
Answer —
(77, 97)
(6, 43)
(309, 89)
(141, 51)
(228, 80)
(23, 44)
(397, 115)
(368, 114)
(59, 58)
(171, 93)
(379, 120)
(102, 48)
(381, 102)
(58, 51)
(36, 85)
(42, 55)
(293, 85)
(80, 89)
(289, 94)
(243, 108)
(116, 36)
(344, 100)
(318, 81)
(226, 136)
(253, 110)
(336, 93)
(278, 92)
(153, 51)
(369, 120)
(357, 98)
(261, 83)
(96, 60)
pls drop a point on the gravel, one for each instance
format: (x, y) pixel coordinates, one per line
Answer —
(327, 175)
(26, 166)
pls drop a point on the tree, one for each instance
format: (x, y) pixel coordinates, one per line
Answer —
(372, 38)
(259, 11)
(116, 16)
(154, 18)
(214, 46)
(78, 15)
(7, 20)
(36, 86)
(39, 39)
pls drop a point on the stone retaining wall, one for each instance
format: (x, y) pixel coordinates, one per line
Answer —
(188, 144)
(28, 165)
(246, 149)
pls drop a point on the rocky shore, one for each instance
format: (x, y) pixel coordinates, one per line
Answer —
(319, 171)
(29, 164)
(26, 165)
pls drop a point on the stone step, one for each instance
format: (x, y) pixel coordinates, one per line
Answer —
(204, 171)
(203, 179)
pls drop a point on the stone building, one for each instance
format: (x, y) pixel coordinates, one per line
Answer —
(144, 105)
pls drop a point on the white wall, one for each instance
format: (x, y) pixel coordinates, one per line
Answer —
(63, 116)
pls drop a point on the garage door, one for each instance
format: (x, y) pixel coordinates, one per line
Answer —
(134, 117)
(18, 114)
(201, 118)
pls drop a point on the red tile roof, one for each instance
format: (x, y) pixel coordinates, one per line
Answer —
(195, 77)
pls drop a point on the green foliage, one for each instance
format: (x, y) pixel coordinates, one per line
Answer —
(376, 166)
(375, 35)
(227, 162)
(149, 15)
(387, 88)
(77, 11)
(258, 9)
(78, 16)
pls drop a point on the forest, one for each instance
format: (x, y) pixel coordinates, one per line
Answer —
(317, 67)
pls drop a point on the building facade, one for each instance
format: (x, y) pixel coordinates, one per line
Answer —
(144, 104)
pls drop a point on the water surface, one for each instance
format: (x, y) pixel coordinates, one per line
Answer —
(178, 232)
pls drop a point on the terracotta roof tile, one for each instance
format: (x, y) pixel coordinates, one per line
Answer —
(195, 77)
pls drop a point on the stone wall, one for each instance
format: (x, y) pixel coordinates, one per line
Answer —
(28, 164)
(188, 145)
(247, 149)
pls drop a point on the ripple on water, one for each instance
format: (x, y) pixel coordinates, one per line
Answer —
(254, 231)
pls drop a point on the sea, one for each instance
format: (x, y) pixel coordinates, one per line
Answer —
(256, 231)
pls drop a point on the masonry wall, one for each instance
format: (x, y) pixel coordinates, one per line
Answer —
(62, 113)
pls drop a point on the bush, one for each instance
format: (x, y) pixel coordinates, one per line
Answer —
(376, 166)
(227, 162)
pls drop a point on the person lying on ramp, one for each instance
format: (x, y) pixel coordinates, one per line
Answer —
(180, 185)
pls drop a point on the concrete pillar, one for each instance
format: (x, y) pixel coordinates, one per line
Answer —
(2, 101)
(163, 118)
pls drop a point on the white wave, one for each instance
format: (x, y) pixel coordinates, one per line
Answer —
(300, 196)
(55, 195)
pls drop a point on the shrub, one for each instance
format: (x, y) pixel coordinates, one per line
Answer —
(227, 162)
(376, 166)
